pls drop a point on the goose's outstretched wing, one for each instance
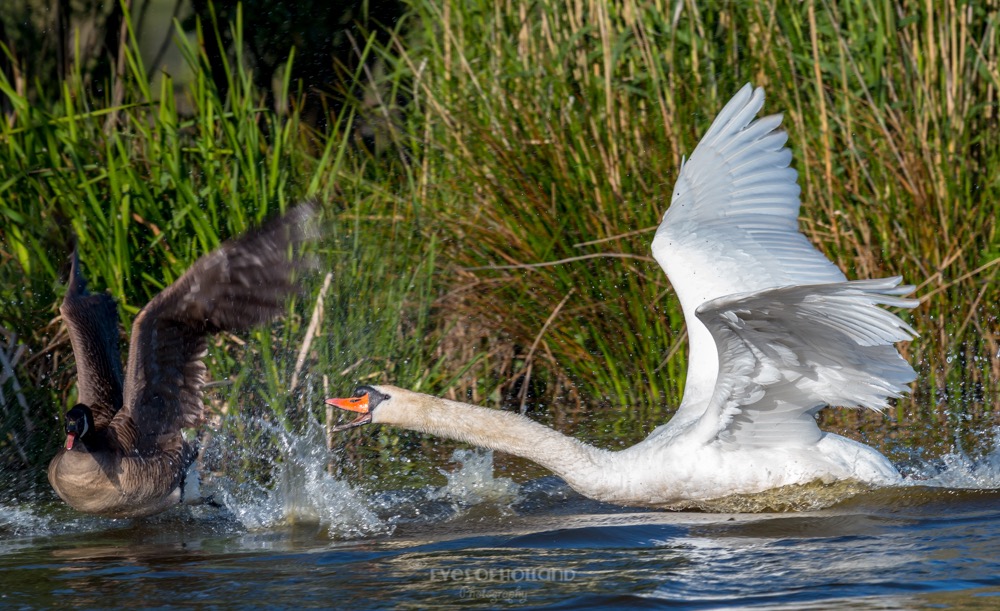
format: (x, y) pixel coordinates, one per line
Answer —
(92, 321)
(243, 283)
(732, 227)
(786, 353)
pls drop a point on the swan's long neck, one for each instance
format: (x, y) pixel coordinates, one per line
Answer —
(589, 470)
(702, 371)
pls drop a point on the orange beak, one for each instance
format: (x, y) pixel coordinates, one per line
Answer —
(70, 438)
(352, 404)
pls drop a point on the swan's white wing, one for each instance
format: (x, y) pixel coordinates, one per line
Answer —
(732, 227)
(785, 353)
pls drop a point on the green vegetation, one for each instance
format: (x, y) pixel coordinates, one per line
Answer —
(507, 136)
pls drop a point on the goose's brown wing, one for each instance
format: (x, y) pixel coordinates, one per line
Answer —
(245, 282)
(92, 321)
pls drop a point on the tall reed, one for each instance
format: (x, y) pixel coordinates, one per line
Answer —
(553, 133)
(488, 236)
(144, 189)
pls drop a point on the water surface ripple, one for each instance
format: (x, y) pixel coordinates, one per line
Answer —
(900, 548)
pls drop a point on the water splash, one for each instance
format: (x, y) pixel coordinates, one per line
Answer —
(22, 521)
(37, 517)
(470, 492)
(957, 469)
(303, 491)
(473, 482)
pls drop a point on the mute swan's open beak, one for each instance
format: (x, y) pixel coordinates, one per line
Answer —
(353, 404)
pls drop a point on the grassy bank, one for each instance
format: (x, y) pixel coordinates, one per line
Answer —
(145, 190)
(494, 242)
(554, 136)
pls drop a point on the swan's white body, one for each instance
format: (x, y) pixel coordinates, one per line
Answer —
(776, 333)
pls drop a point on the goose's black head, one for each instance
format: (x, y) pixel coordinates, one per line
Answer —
(364, 401)
(79, 423)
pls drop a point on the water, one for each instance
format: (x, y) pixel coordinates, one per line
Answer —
(483, 541)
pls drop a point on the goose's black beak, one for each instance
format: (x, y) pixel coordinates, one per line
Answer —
(353, 404)
(70, 438)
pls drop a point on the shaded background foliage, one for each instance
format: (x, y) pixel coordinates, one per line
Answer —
(45, 38)
(492, 174)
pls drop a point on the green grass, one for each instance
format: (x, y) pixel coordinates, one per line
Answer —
(508, 136)
(146, 190)
(554, 134)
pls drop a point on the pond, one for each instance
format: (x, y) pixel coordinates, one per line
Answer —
(482, 541)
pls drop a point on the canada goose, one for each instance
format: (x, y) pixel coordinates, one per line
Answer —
(125, 455)
(776, 333)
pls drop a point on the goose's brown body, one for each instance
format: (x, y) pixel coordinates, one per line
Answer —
(130, 458)
(111, 484)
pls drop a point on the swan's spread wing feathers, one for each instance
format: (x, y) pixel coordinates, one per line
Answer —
(785, 353)
(243, 283)
(732, 225)
(92, 322)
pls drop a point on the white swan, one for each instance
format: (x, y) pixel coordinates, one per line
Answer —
(776, 334)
